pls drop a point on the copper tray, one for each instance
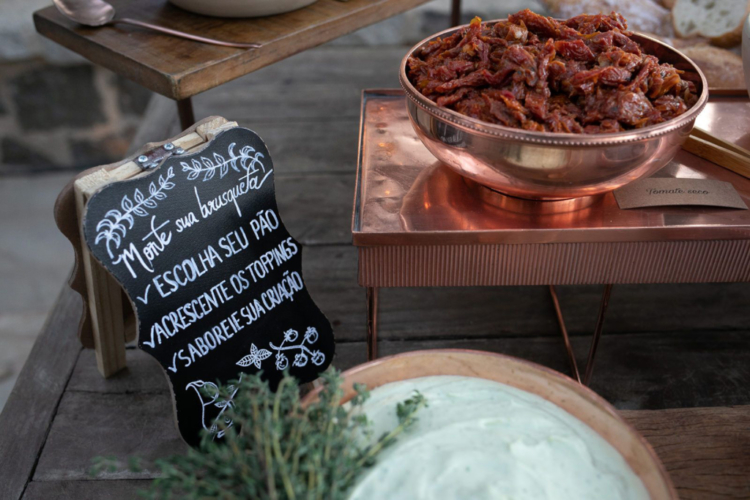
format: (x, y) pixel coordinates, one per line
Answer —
(419, 224)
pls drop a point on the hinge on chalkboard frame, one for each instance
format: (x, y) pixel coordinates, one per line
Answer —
(155, 157)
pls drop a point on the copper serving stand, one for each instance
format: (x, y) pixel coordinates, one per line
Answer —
(416, 223)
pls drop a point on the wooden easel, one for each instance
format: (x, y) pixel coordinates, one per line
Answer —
(108, 320)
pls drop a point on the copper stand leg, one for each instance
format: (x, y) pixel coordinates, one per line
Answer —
(455, 12)
(372, 323)
(185, 111)
(597, 334)
(564, 331)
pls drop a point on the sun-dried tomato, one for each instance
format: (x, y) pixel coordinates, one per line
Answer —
(582, 75)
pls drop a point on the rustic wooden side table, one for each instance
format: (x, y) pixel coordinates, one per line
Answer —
(417, 223)
(179, 68)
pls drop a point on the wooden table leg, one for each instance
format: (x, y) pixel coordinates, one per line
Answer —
(455, 12)
(185, 110)
(372, 323)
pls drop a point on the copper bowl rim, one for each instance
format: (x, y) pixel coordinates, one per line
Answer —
(551, 138)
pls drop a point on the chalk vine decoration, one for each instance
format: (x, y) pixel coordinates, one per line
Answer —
(301, 358)
(208, 393)
(247, 158)
(116, 223)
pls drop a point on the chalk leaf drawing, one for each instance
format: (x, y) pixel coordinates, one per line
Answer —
(209, 395)
(301, 358)
(255, 357)
(116, 223)
(247, 158)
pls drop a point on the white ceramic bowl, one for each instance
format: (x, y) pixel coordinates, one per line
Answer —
(241, 8)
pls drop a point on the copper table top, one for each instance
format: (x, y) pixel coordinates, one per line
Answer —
(404, 196)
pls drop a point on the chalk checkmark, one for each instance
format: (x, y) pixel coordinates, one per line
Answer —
(173, 368)
(144, 299)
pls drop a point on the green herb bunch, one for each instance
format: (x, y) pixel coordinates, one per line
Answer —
(278, 450)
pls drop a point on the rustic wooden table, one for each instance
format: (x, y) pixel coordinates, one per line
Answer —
(686, 390)
(179, 68)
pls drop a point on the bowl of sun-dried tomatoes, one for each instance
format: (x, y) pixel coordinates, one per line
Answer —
(548, 109)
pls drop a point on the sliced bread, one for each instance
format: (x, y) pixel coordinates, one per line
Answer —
(719, 20)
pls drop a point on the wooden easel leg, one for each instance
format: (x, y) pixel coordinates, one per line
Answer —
(185, 111)
(372, 323)
(109, 324)
(104, 294)
(455, 12)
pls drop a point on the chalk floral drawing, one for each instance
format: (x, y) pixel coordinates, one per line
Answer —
(247, 159)
(208, 393)
(116, 223)
(255, 357)
(301, 358)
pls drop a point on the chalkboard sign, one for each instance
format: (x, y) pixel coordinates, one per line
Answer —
(215, 277)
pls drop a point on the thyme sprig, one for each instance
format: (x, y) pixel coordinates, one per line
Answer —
(279, 450)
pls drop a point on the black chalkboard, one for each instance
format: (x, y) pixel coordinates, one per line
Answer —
(215, 277)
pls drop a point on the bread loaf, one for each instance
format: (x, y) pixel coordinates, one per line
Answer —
(723, 69)
(642, 15)
(719, 20)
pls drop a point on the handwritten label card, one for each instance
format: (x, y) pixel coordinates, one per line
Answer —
(215, 277)
(660, 192)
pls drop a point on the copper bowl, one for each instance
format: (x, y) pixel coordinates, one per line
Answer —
(545, 165)
(576, 399)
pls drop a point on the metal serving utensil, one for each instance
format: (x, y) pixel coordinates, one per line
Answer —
(99, 13)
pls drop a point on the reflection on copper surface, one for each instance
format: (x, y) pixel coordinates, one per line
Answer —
(728, 118)
(447, 202)
(406, 197)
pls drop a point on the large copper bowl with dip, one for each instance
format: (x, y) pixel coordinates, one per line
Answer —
(576, 399)
(545, 165)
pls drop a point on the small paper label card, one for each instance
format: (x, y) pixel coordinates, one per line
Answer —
(661, 192)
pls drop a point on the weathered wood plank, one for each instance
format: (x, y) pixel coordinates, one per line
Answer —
(317, 84)
(179, 68)
(365, 66)
(692, 369)
(142, 375)
(303, 147)
(90, 425)
(309, 102)
(28, 414)
(85, 490)
(316, 208)
(705, 450)
(296, 146)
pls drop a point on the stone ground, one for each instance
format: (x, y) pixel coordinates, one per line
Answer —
(34, 261)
